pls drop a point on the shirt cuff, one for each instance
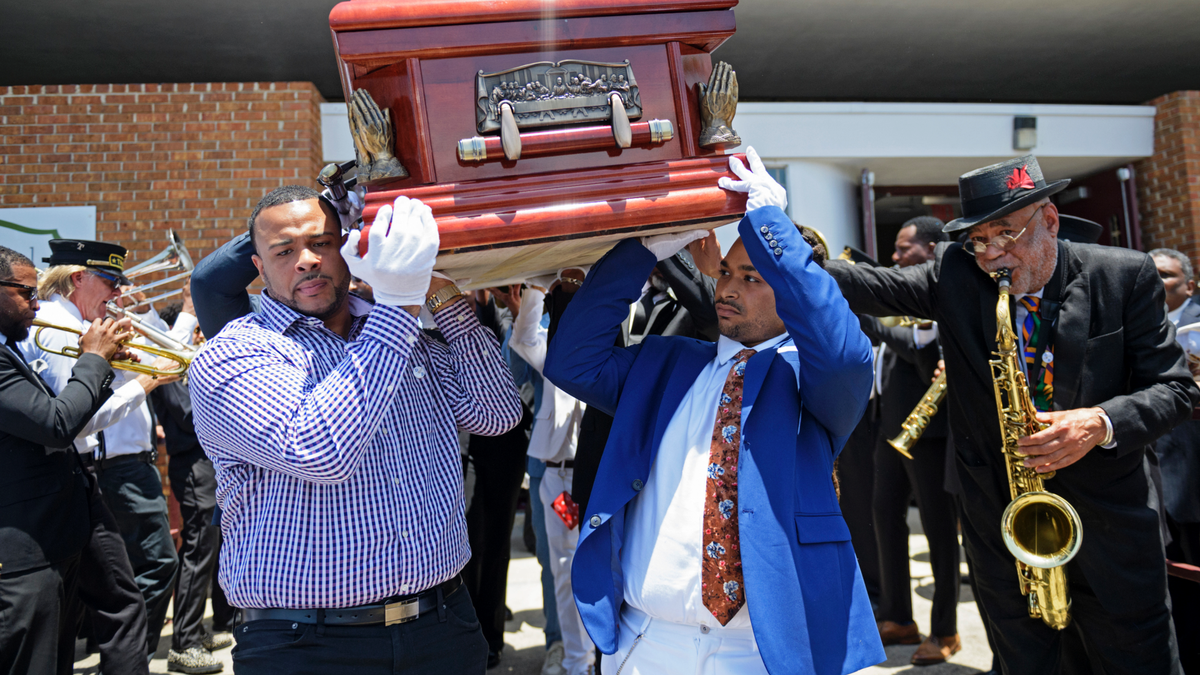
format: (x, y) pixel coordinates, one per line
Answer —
(456, 320)
(184, 329)
(1109, 442)
(923, 336)
(392, 326)
(131, 391)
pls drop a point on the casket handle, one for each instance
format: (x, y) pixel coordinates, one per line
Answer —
(510, 135)
(559, 141)
(620, 121)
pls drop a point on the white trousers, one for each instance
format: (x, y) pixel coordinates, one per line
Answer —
(679, 649)
(578, 651)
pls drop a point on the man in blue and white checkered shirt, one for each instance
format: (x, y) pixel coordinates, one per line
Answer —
(332, 426)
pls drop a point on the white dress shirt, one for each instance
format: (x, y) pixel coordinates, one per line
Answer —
(663, 524)
(1174, 314)
(555, 433)
(124, 417)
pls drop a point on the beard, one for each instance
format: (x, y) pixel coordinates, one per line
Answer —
(747, 330)
(341, 291)
(12, 326)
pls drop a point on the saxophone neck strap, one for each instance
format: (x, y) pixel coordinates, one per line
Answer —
(1048, 312)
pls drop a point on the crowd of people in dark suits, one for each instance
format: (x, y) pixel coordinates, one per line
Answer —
(670, 416)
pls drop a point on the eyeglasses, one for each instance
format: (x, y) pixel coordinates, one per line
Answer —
(1003, 242)
(112, 280)
(30, 292)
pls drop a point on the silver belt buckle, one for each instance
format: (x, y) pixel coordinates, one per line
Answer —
(401, 612)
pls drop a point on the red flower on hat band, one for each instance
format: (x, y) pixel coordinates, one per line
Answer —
(1020, 180)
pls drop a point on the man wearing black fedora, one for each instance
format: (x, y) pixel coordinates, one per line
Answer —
(1111, 379)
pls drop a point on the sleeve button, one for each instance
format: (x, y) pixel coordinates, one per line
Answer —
(638, 485)
(764, 229)
(594, 521)
(778, 251)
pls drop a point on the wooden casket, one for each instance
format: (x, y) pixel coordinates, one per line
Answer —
(540, 133)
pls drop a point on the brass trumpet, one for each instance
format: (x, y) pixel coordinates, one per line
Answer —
(184, 359)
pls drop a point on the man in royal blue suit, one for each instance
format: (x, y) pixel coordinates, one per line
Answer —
(713, 541)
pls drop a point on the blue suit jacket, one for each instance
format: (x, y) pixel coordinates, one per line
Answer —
(804, 590)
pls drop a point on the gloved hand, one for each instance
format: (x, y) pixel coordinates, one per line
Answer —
(543, 282)
(664, 246)
(402, 246)
(349, 209)
(763, 189)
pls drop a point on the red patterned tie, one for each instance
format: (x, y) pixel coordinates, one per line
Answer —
(722, 587)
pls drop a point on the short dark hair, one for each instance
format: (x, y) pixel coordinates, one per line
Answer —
(1185, 265)
(170, 313)
(928, 229)
(10, 259)
(280, 196)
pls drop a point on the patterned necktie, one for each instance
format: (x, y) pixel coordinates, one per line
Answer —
(1031, 332)
(721, 562)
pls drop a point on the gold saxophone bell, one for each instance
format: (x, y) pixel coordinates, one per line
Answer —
(183, 358)
(1041, 529)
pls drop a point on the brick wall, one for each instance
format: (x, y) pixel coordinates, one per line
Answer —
(194, 158)
(1169, 181)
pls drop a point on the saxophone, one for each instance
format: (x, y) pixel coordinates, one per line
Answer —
(914, 425)
(1041, 529)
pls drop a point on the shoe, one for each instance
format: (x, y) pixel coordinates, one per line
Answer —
(193, 660)
(493, 659)
(893, 633)
(553, 663)
(217, 640)
(936, 650)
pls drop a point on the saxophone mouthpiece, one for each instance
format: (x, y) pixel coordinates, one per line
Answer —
(1003, 277)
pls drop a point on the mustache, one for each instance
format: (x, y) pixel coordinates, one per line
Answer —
(311, 277)
(730, 303)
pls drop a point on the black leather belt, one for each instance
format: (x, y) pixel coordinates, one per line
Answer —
(565, 464)
(145, 456)
(399, 610)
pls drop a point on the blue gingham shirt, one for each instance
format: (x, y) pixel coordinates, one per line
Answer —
(337, 461)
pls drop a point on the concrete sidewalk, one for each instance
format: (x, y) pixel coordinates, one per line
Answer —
(526, 647)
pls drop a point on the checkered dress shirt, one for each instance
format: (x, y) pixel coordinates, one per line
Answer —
(337, 461)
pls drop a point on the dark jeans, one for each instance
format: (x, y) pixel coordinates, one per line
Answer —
(108, 591)
(442, 642)
(133, 492)
(895, 479)
(34, 634)
(194, 484)
(499, 467)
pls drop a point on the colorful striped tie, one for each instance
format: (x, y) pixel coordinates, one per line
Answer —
(1043, 391)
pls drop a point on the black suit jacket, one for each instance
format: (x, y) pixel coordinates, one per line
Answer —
(44, 515)
(905, 375)
(1114, 348)
(1179, 455)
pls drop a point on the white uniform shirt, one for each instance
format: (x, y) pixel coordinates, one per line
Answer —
(555, 433)
(664, 523)
(124, 417)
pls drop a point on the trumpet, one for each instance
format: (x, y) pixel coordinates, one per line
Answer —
(183, 358)
(914, 425)
(173, 258)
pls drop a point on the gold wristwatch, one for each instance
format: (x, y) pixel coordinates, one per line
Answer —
(444, 295)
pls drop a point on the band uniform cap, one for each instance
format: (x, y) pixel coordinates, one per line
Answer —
(97, 255)
(1000, 189)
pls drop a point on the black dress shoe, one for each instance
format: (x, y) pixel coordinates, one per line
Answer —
(493, 659)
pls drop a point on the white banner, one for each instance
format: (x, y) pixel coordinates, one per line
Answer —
(29, 231)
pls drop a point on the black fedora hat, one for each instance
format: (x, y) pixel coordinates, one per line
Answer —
(97, 255)
(1079, 230)
(1000, 189)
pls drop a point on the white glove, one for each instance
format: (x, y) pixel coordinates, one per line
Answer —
(543, 282)
(401, 248)
(763, 189)
(349, 209)
(664, 246)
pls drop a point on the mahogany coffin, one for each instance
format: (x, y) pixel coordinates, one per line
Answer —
(458, 71)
